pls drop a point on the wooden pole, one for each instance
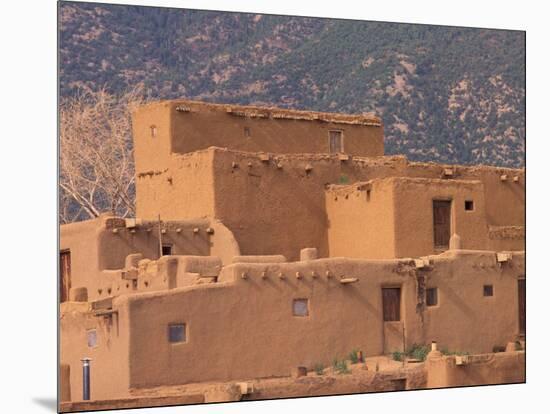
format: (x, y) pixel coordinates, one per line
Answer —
(160, 239)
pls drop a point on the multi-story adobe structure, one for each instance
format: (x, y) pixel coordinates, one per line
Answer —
(267, 239)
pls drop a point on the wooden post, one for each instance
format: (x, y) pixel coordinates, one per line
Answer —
(160, 239)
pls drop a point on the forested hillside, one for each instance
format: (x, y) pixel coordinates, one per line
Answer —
(445, 94)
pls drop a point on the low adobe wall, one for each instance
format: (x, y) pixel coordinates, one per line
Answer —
(99, 248)
(243, 326)
(498, 368)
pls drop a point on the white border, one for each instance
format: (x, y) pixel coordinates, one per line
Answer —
(28, 209)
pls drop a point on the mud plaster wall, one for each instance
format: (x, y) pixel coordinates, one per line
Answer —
(151, 152)
(465, 320)
(414, 225)
(97, 253)
(245, 328)
(273, 210)
(361, 221)
(220, 318)
(182, 189)
(499, 368)
(205, 125)
(110, 360)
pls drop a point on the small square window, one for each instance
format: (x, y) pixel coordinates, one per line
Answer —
(469, 205)
(487, 290)
(300, 307)
(91, 337)
(431, 296)
(166, 249)
(176, 333)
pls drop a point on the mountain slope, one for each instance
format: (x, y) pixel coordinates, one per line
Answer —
(445, 94)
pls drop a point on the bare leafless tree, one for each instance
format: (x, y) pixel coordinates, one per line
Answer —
(96, 159)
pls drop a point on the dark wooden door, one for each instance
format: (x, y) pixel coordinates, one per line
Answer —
(442, 223)
(521, 307)
(64, 275)
(391, 304)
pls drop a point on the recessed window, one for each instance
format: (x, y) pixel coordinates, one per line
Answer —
(431, 296)
(166, 249)
(91, 337)
(300, 307)
(469, 205)
(176, 333)
(336, 141)
(487, 290)
(247, 131)
(153, 131)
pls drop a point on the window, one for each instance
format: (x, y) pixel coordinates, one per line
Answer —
(487, 290)
(166, 249)
(300, 307)
(391, 304)
(469, 205)
(336, 141)
(153, 131)
(91, 337)
(176, 333)
(247, 131)
(431, 296)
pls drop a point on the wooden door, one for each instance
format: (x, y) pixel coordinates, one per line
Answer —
(336, 142)
(442, 223)
(64, 275)
(521, 307)
(391, 304)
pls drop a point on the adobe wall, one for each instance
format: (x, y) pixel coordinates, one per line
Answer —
(256, 199)
(188, 126)
(99, 248)
(181, 189)
(499, 368)
(414, 214)
(361, 220)
(464, 320)
(244, 327)
(276, 204)
(110, 358)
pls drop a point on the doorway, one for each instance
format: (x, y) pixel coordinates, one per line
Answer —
(521, 307)
(442, 224)
(394, 332)
(64, 275)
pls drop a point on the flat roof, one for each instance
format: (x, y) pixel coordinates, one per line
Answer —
(271, 112)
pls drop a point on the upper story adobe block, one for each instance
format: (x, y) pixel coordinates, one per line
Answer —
(168, 127)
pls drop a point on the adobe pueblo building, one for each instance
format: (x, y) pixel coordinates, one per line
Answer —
(267, 239)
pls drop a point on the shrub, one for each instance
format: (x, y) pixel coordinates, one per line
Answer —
(319, 369)
(341, 367)
(418, 351)
(344, 179)
(353, 356)
(397, 356)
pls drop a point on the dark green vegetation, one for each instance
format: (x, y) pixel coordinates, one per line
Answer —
(452, 95)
